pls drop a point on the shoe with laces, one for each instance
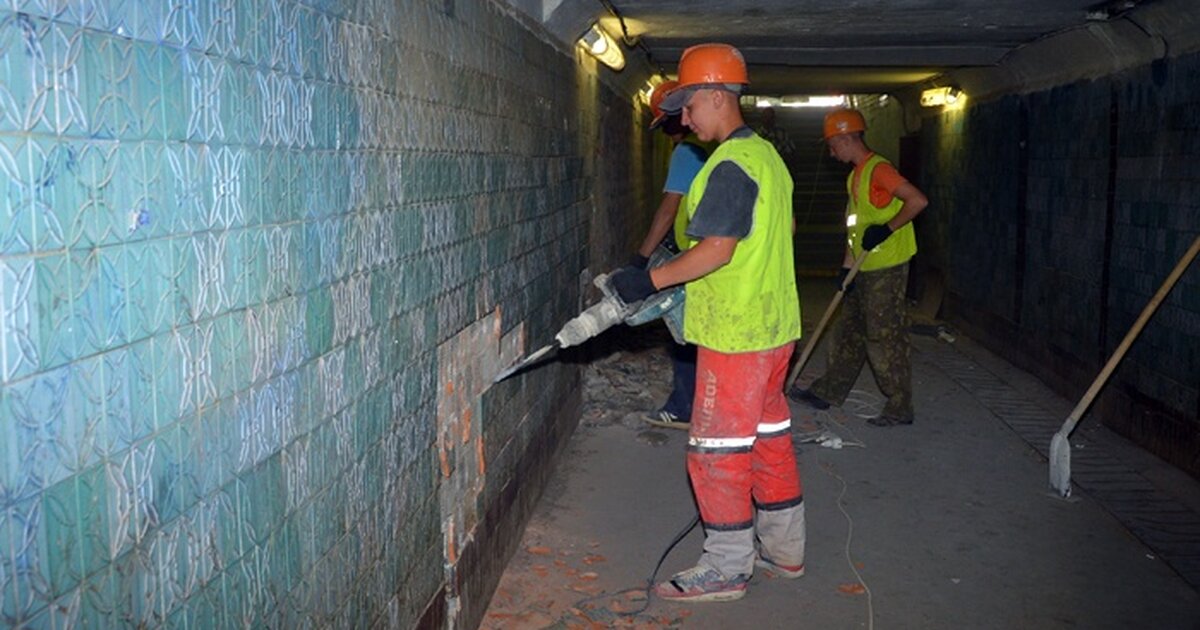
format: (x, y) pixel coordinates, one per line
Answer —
(779, 570)
(702, 584)
(664, 418)
(804, 396)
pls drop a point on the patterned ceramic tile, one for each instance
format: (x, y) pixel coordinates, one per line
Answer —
(23, 555)
(214, 269)
(92, 512)
(17, 207)
(62, 536)
(19, 323)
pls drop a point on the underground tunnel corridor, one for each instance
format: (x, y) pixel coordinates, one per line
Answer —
(261, 264)
(946, 526)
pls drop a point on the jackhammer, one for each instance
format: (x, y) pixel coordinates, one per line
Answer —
(610, 311)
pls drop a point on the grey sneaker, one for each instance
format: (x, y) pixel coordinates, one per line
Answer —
(664, 418)
(702, 584)
(779, 570)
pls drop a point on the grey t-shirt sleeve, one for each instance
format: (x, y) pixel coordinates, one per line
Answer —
(727, 207)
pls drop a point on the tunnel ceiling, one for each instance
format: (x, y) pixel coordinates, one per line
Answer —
(812, 46)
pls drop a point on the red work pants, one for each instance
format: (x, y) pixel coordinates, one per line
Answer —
(740, 442)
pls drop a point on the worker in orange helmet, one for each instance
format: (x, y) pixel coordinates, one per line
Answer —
(669, 227)
(743, 313)
(873, 324)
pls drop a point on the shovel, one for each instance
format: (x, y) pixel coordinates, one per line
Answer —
(833, 304)
(1060, 448)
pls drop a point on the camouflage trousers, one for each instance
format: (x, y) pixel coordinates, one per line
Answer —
(872, 327)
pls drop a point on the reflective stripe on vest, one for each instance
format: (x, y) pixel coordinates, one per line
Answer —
(860, 213)
(749, 304)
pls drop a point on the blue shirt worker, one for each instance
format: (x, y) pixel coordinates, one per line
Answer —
(687, 158)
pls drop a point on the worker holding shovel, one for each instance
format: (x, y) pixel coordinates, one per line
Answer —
(873, 325)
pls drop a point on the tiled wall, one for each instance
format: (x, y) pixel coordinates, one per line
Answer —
(235, 238)
(1043, 262)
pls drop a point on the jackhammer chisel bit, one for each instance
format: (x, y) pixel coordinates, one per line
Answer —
(608, 312)
(599, 317)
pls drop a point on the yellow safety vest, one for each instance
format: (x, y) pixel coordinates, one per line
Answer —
(860, 213)
(681, 217)
(751, 303)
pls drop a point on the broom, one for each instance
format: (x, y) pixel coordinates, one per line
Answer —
(833, 304)
(1060, 448)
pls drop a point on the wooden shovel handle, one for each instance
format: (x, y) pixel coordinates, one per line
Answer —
(833, 304)
(1116, 357)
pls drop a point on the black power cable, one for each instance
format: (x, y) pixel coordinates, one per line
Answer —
(631, 41)
(649, 581)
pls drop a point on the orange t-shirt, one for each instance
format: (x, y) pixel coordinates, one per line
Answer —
(885, 179)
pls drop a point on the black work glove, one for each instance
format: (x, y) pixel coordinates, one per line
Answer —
(841, 281)
(874, 235)
(639, 261)
(633, 285)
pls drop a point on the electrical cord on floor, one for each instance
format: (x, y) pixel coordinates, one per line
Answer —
(828, 468)
(649, 581)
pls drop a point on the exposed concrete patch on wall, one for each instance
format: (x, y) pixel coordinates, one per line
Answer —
(467, 363)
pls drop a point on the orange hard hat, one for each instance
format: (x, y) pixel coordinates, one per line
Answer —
(712, 63)
(840, 121)
(707, 64)
(656, 98)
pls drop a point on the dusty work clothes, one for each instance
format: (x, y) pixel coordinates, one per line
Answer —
(739, 451)
(750, 303)
(872, 326)
(744, 316)
(874, 320)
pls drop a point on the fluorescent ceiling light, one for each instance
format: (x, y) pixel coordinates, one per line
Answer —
(763, 102)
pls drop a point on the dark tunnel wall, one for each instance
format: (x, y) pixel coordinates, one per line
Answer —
(1055, 217)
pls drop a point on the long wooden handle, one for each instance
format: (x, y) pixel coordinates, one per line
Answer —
(1116, 357)
(833, 304)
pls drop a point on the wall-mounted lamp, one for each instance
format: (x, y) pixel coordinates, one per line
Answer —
(648, 90)
(937, 97)
(602, 46)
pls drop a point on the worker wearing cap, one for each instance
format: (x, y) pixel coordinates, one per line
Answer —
(873, 326)
(743, 313)
(686, 160)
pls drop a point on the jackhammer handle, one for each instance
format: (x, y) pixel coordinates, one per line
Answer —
(833, 304)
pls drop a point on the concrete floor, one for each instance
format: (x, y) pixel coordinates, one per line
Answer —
(944, 524)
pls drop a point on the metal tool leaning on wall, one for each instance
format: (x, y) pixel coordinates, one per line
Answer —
(610, 311)
(1060, 445)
